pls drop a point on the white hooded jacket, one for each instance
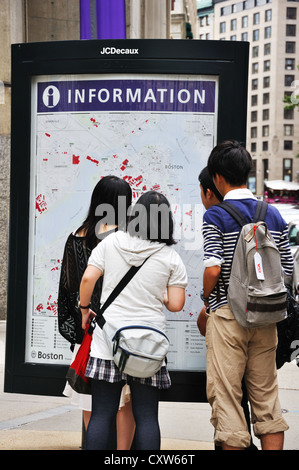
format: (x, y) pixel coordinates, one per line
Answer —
(142, 298)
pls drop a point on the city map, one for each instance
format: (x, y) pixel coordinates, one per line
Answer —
(151, 150)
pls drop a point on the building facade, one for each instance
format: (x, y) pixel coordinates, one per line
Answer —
(271, 28)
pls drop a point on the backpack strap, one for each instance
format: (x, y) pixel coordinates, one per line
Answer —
(260, 212)
(234, 212)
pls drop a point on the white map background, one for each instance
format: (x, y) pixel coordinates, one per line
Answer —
(158, 151)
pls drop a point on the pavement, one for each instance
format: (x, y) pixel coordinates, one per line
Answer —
(33, 422)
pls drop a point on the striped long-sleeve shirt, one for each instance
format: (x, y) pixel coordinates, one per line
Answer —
(220, 233)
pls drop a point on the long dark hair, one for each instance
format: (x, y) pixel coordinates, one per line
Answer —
(107, 192)
(154, 220)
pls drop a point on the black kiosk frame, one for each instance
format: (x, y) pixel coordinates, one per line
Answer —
(224, 59)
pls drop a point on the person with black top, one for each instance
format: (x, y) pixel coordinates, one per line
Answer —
(78, 248)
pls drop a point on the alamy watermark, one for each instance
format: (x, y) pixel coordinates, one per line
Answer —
(158, 222)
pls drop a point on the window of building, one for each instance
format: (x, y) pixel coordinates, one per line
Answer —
(266, 65)
(290, 64)
(290, 30)
(288, 113)
(244, 36)
(290, 47)
(267, 33)
(268, 15)
(233, 38)
(265, 169)
(254, 84)
(267, 48)
(255, 67)
(291, 13)
(288, 130)
(254, 100)
(288, 80)
(255, 34)
(256, 18)
(252, 178)
(266, 82)
(288, 145)
(222, 27)
(255, 51)
(287, 169)
(266, 98)
(253, 132)
(244, 21)
(253, 146)
(265, 146)
(253, 116)
(265, 114)
(233, 25)
(265, 131)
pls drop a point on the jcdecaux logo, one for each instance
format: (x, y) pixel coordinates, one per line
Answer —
(115, 50)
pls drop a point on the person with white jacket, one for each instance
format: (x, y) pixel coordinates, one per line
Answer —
(160, 281)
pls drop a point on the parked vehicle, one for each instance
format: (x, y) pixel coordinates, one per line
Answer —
(281, 191)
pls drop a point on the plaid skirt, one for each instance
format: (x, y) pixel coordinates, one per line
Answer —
(103, 369)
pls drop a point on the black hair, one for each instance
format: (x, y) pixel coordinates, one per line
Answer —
(154, 220)
(232, 161)
(106, 193)
(207, 182)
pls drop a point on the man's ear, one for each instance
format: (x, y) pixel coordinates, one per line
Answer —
(218, 180)
(209, 194)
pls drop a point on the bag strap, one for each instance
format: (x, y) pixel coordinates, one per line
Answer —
(260, 212)
(99, 319)
(234, 212)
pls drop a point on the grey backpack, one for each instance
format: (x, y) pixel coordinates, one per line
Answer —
(256, 294)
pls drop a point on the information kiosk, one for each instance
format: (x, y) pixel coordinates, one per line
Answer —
(149, 111)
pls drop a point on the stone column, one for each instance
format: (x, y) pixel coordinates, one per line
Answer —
(148, 19)
(11, 31)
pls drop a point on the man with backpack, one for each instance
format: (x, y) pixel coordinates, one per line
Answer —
(236, 349)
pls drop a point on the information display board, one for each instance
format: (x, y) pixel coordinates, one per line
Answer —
(150, 117)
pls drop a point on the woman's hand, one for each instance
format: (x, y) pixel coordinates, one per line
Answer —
(87, 316)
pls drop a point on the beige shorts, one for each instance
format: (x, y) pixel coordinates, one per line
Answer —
(234, 352)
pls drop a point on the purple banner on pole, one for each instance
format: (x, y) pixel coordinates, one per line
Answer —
(127, 95)
(102, 19)
(111, 19)
(85, 32)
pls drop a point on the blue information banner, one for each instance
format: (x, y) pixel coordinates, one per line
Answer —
(127, 95)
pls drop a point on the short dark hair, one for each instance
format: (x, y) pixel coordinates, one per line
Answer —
(207, 182)
(154, 221)
(230, 160)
